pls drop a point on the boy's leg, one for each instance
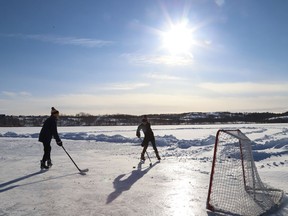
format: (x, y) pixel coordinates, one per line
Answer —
(49, 162)
(46, 155)
(145, 146)
(155, 149)
(47, 151)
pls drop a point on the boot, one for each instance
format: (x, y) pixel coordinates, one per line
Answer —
(49, 163)
(158, 157)
(42, 165)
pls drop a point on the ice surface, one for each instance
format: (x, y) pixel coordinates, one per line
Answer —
(117, 184)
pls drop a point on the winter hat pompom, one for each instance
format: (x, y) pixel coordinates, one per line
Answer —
(54, 111)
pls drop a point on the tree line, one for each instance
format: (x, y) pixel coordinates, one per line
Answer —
(84, 119)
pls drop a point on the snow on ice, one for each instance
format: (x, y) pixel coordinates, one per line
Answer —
(117, 184)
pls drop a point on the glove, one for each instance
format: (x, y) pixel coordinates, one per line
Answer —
(59, 143)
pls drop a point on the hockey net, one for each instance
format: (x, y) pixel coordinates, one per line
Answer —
(235, 185)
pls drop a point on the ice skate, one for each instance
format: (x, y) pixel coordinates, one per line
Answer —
(43, 165)
(49, 163)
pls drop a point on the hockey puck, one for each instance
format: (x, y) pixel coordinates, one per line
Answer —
(134, 167)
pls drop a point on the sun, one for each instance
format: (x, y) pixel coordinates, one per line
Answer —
(178, 39)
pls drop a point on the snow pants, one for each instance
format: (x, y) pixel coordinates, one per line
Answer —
(145, 144)
(47, 151)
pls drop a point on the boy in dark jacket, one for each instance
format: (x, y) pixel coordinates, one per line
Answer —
(48, 131)
(148, 137)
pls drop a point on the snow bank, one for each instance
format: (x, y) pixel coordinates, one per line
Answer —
(266, 146)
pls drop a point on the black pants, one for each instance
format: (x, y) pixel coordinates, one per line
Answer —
(146, 142)
(47, 151)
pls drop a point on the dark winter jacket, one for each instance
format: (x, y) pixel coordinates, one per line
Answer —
(49, 130)
(146, 128)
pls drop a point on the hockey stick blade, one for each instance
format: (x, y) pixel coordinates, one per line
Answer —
(84, 170)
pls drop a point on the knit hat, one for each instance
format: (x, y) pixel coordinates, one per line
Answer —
(54, 111)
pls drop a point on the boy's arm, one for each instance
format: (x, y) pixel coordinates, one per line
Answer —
(55, 132)
(138, 131)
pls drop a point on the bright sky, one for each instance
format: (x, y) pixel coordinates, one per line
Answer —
(143, 56)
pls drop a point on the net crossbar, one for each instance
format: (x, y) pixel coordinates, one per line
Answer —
(235, 185)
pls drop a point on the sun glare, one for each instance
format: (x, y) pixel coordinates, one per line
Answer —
(178, 40)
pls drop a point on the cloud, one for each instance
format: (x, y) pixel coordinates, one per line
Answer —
(129, 103)
(220, 3)
(157, 76)
(9, 94)
(246, 88)
(16, 94)
(84, 42)
(124, 86)
(158, 59)
(139, 103)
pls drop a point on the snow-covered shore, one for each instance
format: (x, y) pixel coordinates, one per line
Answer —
(117, 184)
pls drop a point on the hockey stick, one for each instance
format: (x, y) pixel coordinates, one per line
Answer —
(149, 159)
(81, 171)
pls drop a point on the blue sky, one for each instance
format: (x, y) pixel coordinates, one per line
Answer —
(143, 56)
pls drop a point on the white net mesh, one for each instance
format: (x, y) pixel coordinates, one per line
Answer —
(235, 185)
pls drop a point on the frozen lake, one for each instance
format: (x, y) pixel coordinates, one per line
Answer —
(117, 184)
